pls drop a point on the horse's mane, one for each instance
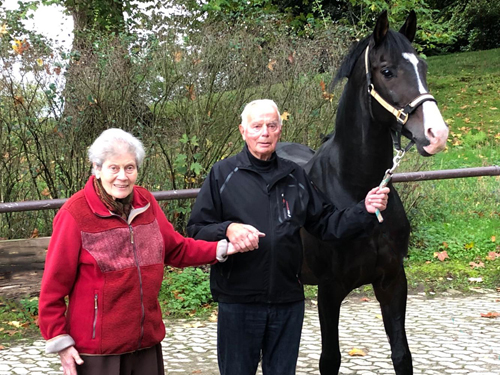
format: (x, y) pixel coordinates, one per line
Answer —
(350, 60)
(394, 42)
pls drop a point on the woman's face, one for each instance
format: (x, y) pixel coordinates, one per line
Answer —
(118, 174)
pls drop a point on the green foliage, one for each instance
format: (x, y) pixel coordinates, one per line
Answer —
(18, 318)
(185, 292)
(362, 15)
(476, 24)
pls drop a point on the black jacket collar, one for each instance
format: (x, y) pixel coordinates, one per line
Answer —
(283, 167)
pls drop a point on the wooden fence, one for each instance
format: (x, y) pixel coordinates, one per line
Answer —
(29, 254)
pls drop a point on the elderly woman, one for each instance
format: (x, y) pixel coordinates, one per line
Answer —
(107, 253)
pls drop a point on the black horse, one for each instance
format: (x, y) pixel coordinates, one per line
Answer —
(385, 96)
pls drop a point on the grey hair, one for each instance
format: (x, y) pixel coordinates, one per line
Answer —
(250, 106)
(112, 140)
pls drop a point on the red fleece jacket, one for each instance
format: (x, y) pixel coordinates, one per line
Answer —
(112, 272)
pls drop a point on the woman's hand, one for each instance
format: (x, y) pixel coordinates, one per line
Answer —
(376, 199)
(69, 359)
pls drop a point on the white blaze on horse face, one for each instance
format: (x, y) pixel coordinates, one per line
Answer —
(436, 130)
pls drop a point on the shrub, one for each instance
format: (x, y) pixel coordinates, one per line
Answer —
(185, 291)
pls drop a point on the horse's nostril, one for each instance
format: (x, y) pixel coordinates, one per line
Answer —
(430, 134)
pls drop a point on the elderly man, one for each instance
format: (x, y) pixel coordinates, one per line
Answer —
(259, 200)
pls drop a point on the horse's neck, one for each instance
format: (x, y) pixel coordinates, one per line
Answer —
(359, 153)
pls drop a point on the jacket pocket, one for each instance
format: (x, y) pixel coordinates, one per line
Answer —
(96, 311)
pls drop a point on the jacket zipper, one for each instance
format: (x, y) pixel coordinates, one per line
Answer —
(95, 316)
(272, 255)
(140, 284)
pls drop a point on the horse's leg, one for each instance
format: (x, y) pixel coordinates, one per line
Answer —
(392, 299)
(330, 297)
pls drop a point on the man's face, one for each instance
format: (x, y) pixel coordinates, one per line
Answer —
(262, 132)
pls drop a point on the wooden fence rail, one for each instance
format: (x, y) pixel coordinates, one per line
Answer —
(24, 255)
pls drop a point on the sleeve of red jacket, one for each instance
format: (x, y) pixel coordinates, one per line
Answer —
(61, 265)
(181, 251)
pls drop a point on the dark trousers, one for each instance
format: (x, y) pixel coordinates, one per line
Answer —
(141, 362)
(245, 332)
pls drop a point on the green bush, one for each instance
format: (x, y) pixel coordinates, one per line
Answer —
(185, 292)
(477, 25)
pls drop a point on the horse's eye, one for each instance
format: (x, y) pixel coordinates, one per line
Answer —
(387, 73)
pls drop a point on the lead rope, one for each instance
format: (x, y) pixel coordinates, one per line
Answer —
(388, 176)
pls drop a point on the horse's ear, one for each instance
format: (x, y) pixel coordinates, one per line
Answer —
(410, 27)
(381, 28)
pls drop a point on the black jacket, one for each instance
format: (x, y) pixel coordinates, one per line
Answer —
(235, 191)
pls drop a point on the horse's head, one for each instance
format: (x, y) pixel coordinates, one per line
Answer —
(397, 86)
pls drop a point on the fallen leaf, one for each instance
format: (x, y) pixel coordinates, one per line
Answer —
(328, 96)
(441, 255)
(190, 92)
(355, 352)
(177, 56)
(284, 116)
(492, 255)
(476, 265)
(271, 65)
(493, 238)
(2, 347)
(365, 299)
(3, 29)
(35, 233)
(212, 318)
(15, 323)
(322, 85)
(490, 315)
(45, 192)
(194, 325)
(291, 57)
(196, 372)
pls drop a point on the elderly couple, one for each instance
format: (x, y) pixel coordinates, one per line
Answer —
(111, 240)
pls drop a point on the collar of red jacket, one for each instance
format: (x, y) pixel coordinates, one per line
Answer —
(98, 207)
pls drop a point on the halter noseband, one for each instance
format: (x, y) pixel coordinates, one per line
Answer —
(401, 114)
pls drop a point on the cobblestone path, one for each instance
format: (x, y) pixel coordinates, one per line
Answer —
(447, 335)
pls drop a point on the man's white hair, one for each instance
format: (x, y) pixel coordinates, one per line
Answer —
(112, 141)
(255, 103)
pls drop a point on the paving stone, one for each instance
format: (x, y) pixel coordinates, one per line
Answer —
(462, 344)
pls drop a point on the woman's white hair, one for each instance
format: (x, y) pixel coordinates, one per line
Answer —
(113, 141)
(247, 111)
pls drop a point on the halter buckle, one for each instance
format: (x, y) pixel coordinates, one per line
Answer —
(402, 116)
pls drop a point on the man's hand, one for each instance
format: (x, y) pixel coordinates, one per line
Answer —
(242, 237)
(376, 199)
(69, 359)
